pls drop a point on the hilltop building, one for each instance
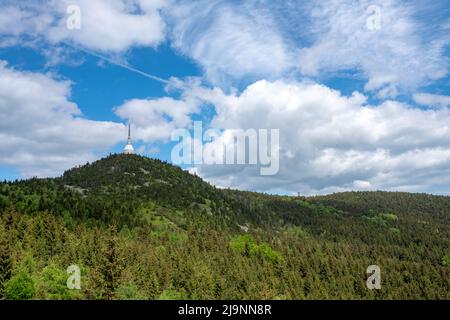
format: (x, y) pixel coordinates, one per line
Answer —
(129, 146)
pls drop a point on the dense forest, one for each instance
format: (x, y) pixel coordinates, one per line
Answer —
(139, 228)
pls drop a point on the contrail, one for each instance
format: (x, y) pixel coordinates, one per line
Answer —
(119, 64)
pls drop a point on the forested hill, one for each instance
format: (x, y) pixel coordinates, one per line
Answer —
(140, 228)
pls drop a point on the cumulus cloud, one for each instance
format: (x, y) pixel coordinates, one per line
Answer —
(330, 142)
(113, 25)
(42, 131)
(106, 25)
(156, 119)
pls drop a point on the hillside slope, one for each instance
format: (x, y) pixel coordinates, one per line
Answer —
(142, 228)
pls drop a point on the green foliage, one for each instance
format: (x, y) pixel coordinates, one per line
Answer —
(446, 261)
(296, 231)
(143, 229)
(52, 284)
(394, 230)
(383, 219)
(389, 216)
(172, 294)
(245, 244)
(26, 264)
(129, 291)
(20, 287)
(269, 253)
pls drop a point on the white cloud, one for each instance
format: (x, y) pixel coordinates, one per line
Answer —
(15, 21)
(264, 39)
(156, 119)
(113, 25)
(106, 25)
(229, 39)
(361, 184)
(44, 134)
(399, 56)
(255, 40)
(428, 99)
(331, 142)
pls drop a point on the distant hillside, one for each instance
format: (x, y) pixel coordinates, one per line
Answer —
(142, 228)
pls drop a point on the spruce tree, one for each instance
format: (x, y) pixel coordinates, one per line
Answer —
(5, 259)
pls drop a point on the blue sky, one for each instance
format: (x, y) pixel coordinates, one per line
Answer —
(359, 90)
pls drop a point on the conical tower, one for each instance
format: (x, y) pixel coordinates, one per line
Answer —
(129, 146)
